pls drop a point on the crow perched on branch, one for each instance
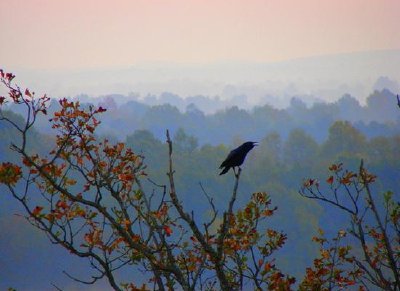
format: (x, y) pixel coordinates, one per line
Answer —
(236, 157)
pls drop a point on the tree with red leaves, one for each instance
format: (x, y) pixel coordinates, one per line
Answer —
(93, 204)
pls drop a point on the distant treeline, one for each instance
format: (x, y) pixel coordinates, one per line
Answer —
(379, 117)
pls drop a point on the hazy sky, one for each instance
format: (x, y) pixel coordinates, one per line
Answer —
(55, 34)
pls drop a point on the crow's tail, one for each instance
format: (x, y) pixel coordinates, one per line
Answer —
(226, 169)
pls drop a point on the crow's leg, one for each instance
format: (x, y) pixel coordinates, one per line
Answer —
(238, 172)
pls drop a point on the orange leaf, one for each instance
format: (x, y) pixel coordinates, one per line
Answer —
(260, 262)
(325, 254)
(33, 171)
(62, 204)
(126, 223)
(330, 180)
(267, 267)
(79, 161)
(125, 177)
(10, 173)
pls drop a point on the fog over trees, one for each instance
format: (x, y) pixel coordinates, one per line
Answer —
(295, 142)
(214, 121)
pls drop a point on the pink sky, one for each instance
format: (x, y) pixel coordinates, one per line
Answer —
(53, 34)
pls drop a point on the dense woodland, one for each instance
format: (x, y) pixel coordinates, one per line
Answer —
(294, 144)
(378, 117)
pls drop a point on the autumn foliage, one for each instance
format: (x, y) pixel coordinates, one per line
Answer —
(90, 199)
(372, 255)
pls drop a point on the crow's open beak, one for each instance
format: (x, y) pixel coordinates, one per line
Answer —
(255, 143)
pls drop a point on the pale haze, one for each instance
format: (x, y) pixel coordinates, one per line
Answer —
(313, 81)
(198, 47)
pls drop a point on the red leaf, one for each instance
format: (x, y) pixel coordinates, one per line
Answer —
(330, 180)
(37, 210)
(168, 230)
(101, 109)
(10, 76)
(27, 93)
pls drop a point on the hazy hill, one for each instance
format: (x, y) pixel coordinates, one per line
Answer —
(325, 77)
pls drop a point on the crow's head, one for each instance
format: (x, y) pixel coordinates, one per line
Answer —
(249, 145)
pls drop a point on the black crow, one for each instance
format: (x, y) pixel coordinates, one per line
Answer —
(236, 156)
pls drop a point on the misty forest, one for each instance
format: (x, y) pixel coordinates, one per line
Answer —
(123, 193)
